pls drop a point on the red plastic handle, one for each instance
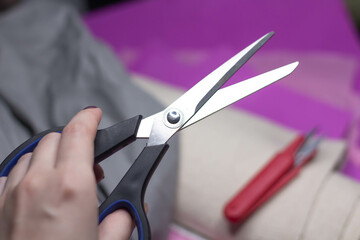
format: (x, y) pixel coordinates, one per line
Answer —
(269, 180)
(271, 192)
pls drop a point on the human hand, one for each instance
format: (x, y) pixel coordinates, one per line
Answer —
(51, 193)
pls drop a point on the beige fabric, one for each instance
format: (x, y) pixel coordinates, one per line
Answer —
(335, 212)
(222, 153)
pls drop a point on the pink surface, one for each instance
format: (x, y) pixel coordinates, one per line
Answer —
(177, 233)
(303, 25)
(179, 42)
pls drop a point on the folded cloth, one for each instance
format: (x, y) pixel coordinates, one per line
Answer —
(336, 210)
(50, 68)
(222, 153)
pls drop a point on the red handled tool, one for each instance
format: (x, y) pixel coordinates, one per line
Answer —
(276, 174)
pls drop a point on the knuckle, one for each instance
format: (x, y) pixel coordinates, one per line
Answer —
(77, 128)
(25, 156)
(29, 186)
(72, 187)
(51, 136)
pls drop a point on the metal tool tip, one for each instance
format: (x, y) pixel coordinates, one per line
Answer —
(267, 36)
(261, 41)
(293, 65)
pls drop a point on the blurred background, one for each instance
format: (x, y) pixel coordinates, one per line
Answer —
(177, 43)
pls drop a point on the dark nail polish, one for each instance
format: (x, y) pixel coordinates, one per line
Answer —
(90, 107)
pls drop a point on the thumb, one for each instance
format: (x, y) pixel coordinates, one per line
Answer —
(116, 226)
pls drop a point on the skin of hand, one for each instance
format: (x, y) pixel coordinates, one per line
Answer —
(51, 193)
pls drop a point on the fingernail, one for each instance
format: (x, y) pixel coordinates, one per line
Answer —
(90, 107)
(25, 157)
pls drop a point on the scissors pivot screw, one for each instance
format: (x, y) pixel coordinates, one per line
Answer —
(173, 116)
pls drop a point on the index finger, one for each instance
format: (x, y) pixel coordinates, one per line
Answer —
(77, 140)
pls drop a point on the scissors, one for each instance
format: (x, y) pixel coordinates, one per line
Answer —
(280, 170)
(202, 100)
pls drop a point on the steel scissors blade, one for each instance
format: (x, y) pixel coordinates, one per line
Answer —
(227, 96)
(202, 100)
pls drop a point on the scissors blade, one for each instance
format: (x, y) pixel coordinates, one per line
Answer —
(193, 100)
(199, 94)
(229, 95)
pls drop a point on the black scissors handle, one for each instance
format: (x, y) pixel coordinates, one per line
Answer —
(129, 194)
(107, 142)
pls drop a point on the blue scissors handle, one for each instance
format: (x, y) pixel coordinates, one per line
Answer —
(129, 194)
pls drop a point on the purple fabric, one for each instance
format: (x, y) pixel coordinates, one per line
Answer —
(303, 25)
(179, 42)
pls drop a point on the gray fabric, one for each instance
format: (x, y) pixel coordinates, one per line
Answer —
(50, 68)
